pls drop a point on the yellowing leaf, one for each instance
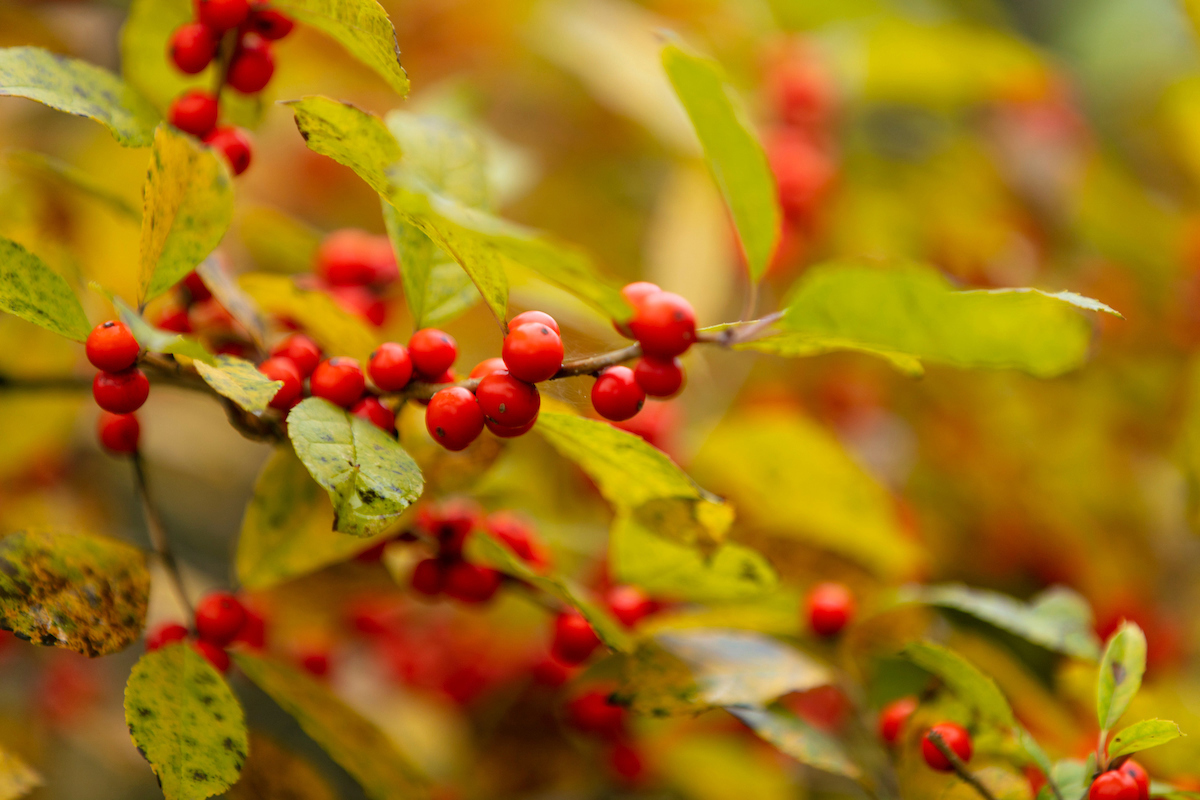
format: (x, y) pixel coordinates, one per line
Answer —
(233, 299)
(964, 679)
(186, 722)
(35, 293)
(1121, 672)
(336, 330)
(349, 136)
(360, 26)
(17, 778)
(798, 739)
(1142, 736)
(240, 381)
(78, 88)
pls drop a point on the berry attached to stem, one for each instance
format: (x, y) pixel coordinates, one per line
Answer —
(233, 144)
(339, 380)
(119, 433)
(454, 418)
(507, 401)
(616, 394)
(432, 351)
(111, 347)
(956, 738)
(532, 352)
(121, 392)
(219, 617)
(195, 112)
(390, 367)
(192, 47)
(278, 368)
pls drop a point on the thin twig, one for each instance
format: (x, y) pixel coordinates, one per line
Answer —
(158, 534)
(959, 767)
(63, 383)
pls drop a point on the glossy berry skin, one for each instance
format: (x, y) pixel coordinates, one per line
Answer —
(508, 401)
(616, 394)
(1140, 777)
(532, 352)
(541, 317)
(591, 712)
(956, 738)
(219, 617)
(509, 432)
(192, 47)
(471, 583)
(252, 65)
(376, 413)
(119, 433)
(213, 653)
(894, 717)
(830, 607)
(664, 324)
(269, 23)
(111, 347)
(487, 367)
(636, 292)
(165, 634)
(121, 392)
(454, 418)
(432, 351)
(428, 577)
(222, 15)
(339, 380)
(390, 367)
(278, 368)
(234, 145)
(303, 352)
(195, 112)
(1113, 785)
(574, 640)
(659, 377)
(629, 604)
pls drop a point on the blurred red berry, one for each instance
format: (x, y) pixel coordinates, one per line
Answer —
(234, 145)
(574, 640)
(219, 617)
(956, 738)
(195, 112)
(375, 412)
(659, 377)
(252, 65)
(278, 368)
(213, 654)
(222, 15)
(192, 47)
(830, 607)
(119, 433)
(893, 717)
(303, 352)
(165, 634)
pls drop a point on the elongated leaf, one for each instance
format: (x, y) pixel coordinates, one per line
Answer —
(82, 592)
(348, 135)
(798, 739)
(233, 299)
(1142, 736)
(336, 330)
(240, 381)
(78, 88)
(17, 778)
(159, 341)
(964, 679)
(733, 152)
(287, 530)
(35, 293)
(69, 175)
(369, 476)
(449, 294)
(351, 740)
(188, 207)
(1121, 672)
(186, 722)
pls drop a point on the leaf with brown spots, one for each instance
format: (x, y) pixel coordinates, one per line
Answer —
(274, 773)
(186, 722)
(240, 381)
(32, 291)
(82, 592)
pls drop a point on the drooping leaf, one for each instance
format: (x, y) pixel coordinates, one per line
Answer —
(157, 340)
(79, 591)
(369, 476)
(798, 739)
(233, 299)
(1142, 736)
(275, 773)
(732, 150)
(360, 26)
(17, 778)
(287, 530)
(186, 722)
(355, 743)
(69, 175)
(78, 88)
(348, 135)
(969, 685)
(336, 330)
(188, 207)
(32, 291)
(1121, 672)
(443, 155)
(240, 381)
(278, 242)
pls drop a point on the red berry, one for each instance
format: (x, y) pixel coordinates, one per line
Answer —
(221, 15)
(196, 288)
(550, 672)
(532, 352)
(1140, 778)
(487, 367)
(353, 257)
(450, 524)
(574, 640)
(339, 380)
(626, 761)
(830, 608)
(428, 577)
(509, 432)
(121, 392)
(119, 433)
(454, 418)
(1114, 785)
(527, 317)
(269, 23)
(508, 401)
(634, 293)
(219, 617)
(446, 377)
(592, 712)
(165, 634)
(628, 604)
(111, 347)
(210, 316)
(315, 663)
(303, 352)
(192, 47)
(194, 112)
(894, 717)
(234, 144)
(253, 632)
(616, 394)
(252, 65)
(432, 351)
(956, 738)
(803, 173)
(278, 368)
(174, 318)
(664, 324)
(213, 654)
(361, 302)
(471, 583)
(659, 377)
(517, 534)
(376, 413)
(390, 367)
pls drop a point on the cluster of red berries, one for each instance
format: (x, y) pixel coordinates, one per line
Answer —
(194, 310)
(593, 712)
(221, 620)
(120, 388)
(245, 30)
(1127, 782)
(829, 608)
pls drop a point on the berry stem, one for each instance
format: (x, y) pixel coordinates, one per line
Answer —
(158, 534)
(959, 767)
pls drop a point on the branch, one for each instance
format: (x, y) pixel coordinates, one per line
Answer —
(959, 767)
(158, 534)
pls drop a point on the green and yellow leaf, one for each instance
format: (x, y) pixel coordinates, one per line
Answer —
(240, 381)
(32, 291)
(965, 681)
(1121, 672)
(336, 330)
(795, 737)
(1142, 736)
(17, 778)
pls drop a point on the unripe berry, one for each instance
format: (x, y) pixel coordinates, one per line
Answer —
(526, 317)
(339, 380)
(222, 15)
(574, 640)
(1113, 785)
(454, 418)
(165, 634)
(532, 352)
(213, 654)
(508, 401)
(269, 23)
(192, 47)
(659, 377)
(278, 368)
(303, 352)
(628, 604)
(119, 433)
(894, 717)
(471, 583)
(487, 367)
(376, 413)
(1140, 777)
(252, 65)
(592, 712)
(509, 432)
(234, 145)
(830, 607)
(121, 392)
(195, 112)
(219, 617)
(390, 367)
(616, 394)
(956, 738)
(428, 577)
(111, 347)
(664, 324)
(432, 351)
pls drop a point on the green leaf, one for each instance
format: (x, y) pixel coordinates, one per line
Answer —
(369, 476)
(287, 530)
(690, 670)
(348, 135)
(798, 739)
(336, 330)
(188, 207)
(32, 291)
(78, 88)
(186, 723)
(483, 549)
(233, 299)
(791, 478)
(17, 778)
(240, 381)
(1072, 777)
(82, 592)
(1121, 672)
(1034, 750)
(732, 150)
(964, 679)
(156, 340)
(354, 742)
(449, 294)
(69, 175)
(443, 155)
(278, 242)
(1142, 736)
